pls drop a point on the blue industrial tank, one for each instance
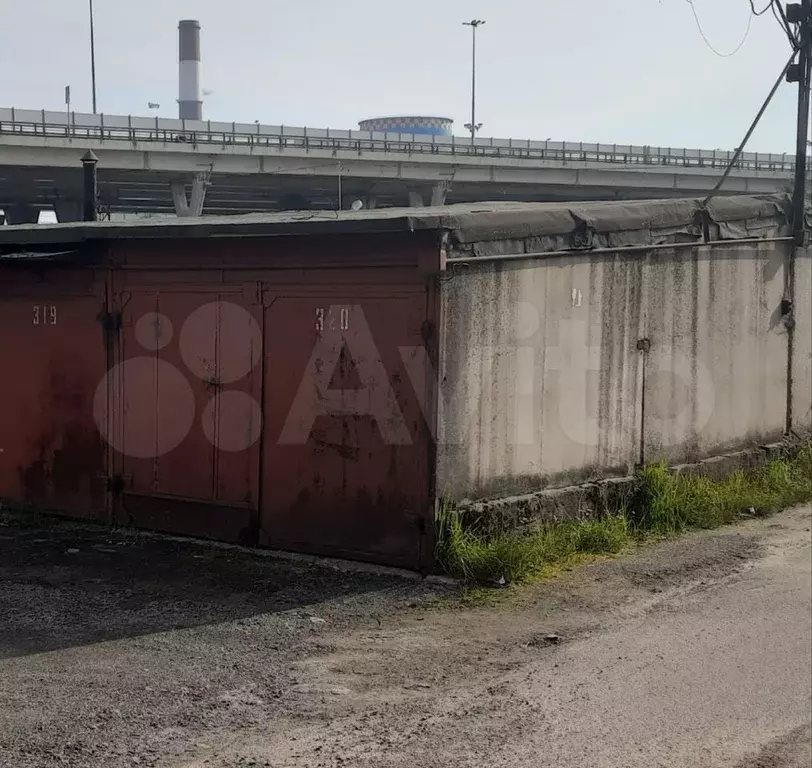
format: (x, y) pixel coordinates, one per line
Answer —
(427, 126)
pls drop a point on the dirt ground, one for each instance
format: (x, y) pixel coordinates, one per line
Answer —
(121, 650)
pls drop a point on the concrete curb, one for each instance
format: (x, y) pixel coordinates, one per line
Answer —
(604, 497)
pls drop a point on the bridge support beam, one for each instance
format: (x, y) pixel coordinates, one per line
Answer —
(68, 210)
(22, 214)
(436, 195)
(439, 192)
(192, 206)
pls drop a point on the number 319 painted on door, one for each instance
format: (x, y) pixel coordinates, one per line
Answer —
(44, 314)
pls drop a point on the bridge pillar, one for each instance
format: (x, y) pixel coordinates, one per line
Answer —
(22, 214)
(415, 199)
(68, 210)
(192, 206)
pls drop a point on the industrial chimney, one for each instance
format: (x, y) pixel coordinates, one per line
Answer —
(190, 105)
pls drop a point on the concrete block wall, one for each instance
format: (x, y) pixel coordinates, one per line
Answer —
(571, 368)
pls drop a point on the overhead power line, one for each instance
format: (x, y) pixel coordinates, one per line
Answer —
(777, 11)
(781, 18)
(708, 42)
(752, 127)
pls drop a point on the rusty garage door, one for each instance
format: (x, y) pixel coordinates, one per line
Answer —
(346, 446)
(51, 452)
(189, 416)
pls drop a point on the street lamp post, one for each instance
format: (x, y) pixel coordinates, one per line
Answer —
(92, 57)
(473, 126)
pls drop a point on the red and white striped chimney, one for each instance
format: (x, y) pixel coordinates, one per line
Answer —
(190, 104)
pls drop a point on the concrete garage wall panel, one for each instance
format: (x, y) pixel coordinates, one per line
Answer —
(716, 371)
(802, 353)
(568, 368)
(540, 374)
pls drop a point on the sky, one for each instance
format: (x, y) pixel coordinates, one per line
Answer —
(614, 71)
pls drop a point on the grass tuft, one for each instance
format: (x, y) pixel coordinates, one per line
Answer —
(669, 503)
(664, 503)
(519, 555)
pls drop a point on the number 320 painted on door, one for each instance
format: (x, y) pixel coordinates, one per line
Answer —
(330, 320)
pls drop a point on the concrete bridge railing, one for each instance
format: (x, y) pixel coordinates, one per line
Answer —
(206, 134)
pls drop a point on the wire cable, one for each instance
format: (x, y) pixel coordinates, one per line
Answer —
(708, 42)
(781, 18)
(752, 128)
(762, 12)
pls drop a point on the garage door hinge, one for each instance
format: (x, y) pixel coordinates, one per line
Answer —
(427, 331)
(110, 321)
(116, 484)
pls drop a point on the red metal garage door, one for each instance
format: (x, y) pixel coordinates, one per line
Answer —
(346, 448)
(188, 389)
(53, 359)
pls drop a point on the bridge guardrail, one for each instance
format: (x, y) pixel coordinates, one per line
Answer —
(363, 141)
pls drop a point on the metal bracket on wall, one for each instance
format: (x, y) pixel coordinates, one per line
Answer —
(787, 314)
(644, 346)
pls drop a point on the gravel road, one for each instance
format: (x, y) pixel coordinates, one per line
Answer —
(120, 650)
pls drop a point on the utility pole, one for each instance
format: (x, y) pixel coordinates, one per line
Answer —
(801, 73)
(473, 126)
(92, 57)
(67, 111)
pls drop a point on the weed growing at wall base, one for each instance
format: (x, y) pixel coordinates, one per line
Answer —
(663, 503)
(516, 556)
(669, 503)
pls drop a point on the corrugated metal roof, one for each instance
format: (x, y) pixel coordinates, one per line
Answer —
(468, 222)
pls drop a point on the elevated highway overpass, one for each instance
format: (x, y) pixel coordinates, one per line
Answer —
(150, 165)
